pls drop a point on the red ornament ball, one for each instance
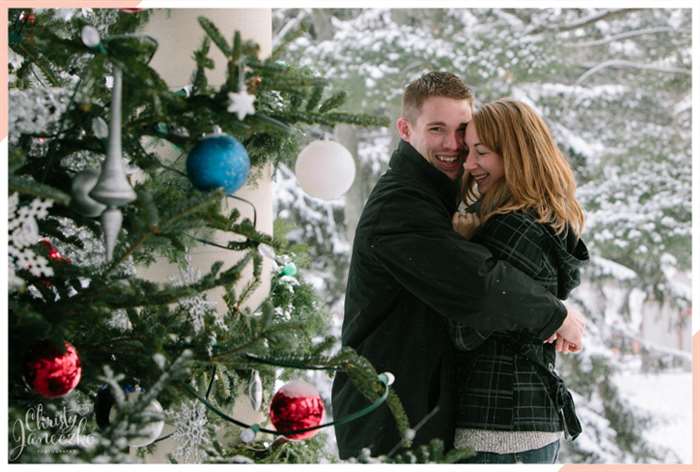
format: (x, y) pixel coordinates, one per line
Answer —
(50, 372)
(297, 405)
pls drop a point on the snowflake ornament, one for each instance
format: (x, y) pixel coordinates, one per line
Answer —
(241, 104)
(191, 432)
(24, 233)
(197, 306)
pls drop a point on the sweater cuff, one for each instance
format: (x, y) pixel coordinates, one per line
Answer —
(555, 322)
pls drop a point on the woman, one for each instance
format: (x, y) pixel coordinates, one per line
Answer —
(513, 407)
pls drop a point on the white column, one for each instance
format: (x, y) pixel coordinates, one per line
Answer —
(178, 33)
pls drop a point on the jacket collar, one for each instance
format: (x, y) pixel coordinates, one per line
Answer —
(408, 162)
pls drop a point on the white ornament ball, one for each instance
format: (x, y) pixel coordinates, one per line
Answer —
(152, 430)
(90, 36)
(247, 435)
(325, 169)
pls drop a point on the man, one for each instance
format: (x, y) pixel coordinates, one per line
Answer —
(410, 272)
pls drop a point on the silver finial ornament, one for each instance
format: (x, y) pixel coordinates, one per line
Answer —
(111, 224)
(255, 390)
(113, 187)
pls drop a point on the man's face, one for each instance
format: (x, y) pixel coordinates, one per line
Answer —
(438, 133)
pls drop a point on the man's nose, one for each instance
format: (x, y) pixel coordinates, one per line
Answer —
(452, 142)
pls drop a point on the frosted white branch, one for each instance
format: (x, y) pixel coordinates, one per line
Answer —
(618, 37)
(628, 64)
(289, 26)
(581, 22)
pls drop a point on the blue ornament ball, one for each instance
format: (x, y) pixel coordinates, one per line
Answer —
(218, 160)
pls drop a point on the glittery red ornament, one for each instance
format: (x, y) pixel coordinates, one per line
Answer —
(50, 372)
(54, 255)
(297, 405)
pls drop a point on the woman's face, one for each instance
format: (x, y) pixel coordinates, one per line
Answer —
(484, 165)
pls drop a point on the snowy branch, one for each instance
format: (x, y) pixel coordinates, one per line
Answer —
(580, 23)
(289, 26)
(618, 37)
(628, 64)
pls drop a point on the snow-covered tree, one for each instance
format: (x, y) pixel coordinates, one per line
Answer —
(614, 86)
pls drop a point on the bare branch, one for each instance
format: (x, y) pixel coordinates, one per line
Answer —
(619, 64)
(618, 37)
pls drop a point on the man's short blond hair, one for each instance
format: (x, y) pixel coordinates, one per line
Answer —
(433, 84)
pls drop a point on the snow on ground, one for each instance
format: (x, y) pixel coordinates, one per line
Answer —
(669, 395)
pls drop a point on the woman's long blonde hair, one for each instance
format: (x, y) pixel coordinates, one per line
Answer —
(537, 175)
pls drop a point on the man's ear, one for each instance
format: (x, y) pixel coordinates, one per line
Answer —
(404, 128)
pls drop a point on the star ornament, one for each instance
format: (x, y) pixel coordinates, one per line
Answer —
(241, 104)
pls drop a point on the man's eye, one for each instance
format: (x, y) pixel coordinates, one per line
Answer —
(437, 130)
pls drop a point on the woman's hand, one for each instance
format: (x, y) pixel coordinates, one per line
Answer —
(562, 345)
(465, 224)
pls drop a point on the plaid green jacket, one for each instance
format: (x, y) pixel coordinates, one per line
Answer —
(507, 380)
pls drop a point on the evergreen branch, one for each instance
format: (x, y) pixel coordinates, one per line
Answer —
(199, 79)
(305, 362)
(40, 62)
(215, 195)
(247, 291)
(151, 296)
(335, 101)
(315, 98)
(294, 326)
(272, 122)
(215, 35)
(28, 186)
(363, 375)
(382, 380)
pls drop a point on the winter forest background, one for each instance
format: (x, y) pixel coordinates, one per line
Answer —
(615, 87)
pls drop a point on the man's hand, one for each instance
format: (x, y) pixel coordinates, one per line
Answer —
(569, 336)
(465, 224)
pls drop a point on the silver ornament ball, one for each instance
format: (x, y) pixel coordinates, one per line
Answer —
(82, 185)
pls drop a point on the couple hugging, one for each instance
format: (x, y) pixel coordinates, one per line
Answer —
(461, 256)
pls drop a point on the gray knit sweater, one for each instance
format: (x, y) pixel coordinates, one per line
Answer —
(503, 442)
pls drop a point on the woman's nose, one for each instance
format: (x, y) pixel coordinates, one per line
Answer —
(469, 163)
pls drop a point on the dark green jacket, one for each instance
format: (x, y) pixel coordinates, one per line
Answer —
(409, 273)
(507, 381)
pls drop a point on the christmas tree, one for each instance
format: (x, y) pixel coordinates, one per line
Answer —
(111, 172)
